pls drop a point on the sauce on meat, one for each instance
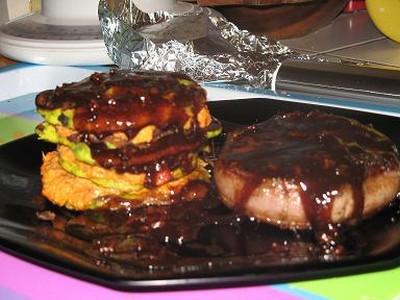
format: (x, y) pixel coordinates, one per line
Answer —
(201, 236)
(320, 152)
(170, 150)
(125, 101)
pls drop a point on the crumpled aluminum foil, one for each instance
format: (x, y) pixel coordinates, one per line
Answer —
(200, 43)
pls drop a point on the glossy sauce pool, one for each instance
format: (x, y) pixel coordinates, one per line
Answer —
(251, 252)
(199, 236)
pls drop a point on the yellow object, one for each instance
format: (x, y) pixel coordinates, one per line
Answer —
(35, 5)
(145, 135)
(386, 16)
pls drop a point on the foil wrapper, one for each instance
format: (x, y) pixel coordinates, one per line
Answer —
(200, 43)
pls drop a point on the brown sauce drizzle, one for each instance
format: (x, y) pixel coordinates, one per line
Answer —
(318, 151)
(198, 237)
(126, 101)
(135, 160)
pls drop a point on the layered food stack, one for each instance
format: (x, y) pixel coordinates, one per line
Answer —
(126, 136)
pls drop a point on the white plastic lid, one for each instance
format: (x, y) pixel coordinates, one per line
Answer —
(57, 36)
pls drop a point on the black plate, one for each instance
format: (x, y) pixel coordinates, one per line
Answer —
(249, 256)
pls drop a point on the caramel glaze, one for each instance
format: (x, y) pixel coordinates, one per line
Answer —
(197, 233)
(126, 101)
(316, 150)
(168, 151)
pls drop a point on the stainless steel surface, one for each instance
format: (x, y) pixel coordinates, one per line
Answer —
(382, 52)
(351, 37)
(345, 31)
(340, 81)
